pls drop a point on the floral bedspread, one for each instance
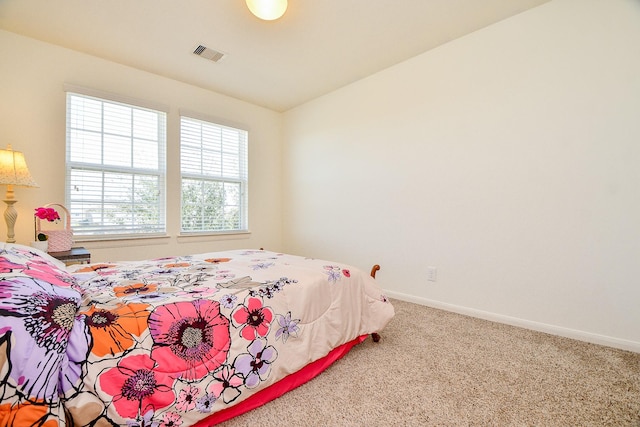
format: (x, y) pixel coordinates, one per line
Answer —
(167, 342)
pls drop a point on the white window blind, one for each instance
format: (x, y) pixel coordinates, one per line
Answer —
(213, 165)
(115, 167)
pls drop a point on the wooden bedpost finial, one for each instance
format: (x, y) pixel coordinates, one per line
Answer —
(374, 270)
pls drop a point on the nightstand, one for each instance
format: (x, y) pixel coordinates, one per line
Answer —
(73, 256)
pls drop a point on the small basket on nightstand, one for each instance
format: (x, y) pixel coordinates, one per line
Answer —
(59, 240)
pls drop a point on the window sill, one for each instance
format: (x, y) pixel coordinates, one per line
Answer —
(100, 242)
(207, 237)
(105, 242)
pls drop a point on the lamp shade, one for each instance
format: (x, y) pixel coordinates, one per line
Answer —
(14, 170)
(267, 9)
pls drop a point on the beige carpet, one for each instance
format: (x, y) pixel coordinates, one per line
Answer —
(435, 368)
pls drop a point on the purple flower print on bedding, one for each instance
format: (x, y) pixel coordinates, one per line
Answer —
(204, 404)
(43, 318)
(262, 265)
(145, 421)
(228, 301)
(255, 366)
(288, 327)
(335, 273)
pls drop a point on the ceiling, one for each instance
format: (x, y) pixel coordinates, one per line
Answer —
(316, 47)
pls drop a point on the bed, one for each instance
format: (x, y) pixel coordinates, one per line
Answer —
(188, 340)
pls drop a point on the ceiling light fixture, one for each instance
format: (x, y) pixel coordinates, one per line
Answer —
(267, 9)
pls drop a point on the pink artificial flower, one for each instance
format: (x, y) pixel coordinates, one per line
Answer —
(49, 214)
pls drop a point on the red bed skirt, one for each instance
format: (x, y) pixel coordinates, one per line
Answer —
(281, 387)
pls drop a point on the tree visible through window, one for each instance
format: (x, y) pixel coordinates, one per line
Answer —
(115, 167)
(213, 162)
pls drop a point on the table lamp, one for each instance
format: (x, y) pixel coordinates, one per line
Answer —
(13, 171)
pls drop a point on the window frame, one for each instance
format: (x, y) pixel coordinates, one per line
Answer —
(242, 177)
(159, 174)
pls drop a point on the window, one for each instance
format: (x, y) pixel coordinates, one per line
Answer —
(115, 168)
(213, 164)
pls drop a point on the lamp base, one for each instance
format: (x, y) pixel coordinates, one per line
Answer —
(10, 216)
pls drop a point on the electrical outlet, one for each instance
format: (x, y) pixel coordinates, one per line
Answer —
(432, 274)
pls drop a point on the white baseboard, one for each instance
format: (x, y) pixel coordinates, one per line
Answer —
(528, 324)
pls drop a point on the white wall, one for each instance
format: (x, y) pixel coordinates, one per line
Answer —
(32, 119)
(509, 159)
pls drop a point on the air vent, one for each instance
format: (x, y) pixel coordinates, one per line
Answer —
(210, 54)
